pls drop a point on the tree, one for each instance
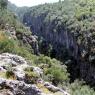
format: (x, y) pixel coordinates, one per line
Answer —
(3, 4)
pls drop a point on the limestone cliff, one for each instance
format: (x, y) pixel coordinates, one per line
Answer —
(69, 28)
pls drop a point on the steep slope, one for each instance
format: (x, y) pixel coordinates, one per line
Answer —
(17, 77)
(19, 11)
(27, 76)
(17, 41)
(49, 22)
(67, 31)
(10, 24)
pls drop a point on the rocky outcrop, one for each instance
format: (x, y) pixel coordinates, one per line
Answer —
(54, 89)
(27, 38)
(10, 30)
(58, 38)
(18, 88)
(87, 72)
(13, 70)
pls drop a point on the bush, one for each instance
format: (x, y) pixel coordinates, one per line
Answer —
(3, 3)
(6, 46)
(57, 75)
(31, 77)
(28, 69)
(10, 74)
(43, 60)
(78, 88)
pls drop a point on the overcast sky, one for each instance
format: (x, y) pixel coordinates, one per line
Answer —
(31, 2)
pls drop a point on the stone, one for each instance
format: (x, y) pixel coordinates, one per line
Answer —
(51, 87)
(38, 71)
(19, 86)
(55, 89)
(6, 92)
(2, 69)
(7, 58)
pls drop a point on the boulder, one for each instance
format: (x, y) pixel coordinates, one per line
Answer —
(14, 60)
(55, 89)
(19, 87)
(2, 69)
(38, 71)
(51, 87)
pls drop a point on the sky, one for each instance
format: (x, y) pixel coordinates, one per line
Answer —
(30, 3)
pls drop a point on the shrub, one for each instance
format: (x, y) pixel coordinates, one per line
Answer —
(6, 45)
(78, 88)
(31, 77)
(3, 3)
(57, 75)
(28, 69)
(43, 60)
(10, 74)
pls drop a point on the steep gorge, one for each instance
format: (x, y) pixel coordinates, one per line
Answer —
(59, 39)
(28, 59)
(66, 35)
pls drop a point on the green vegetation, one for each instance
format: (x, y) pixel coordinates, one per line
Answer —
(51, 67)
(77, 18)
(53, 71)
(6, 44)
(3, 4)
(73, 16)
(57, 75)
(79, 88)
(10, 75)
(19, 11)
(31, 77)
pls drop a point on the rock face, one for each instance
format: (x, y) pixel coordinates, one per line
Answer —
(79, 45)
(54, 89)
(58, 39)
(29, 39)
(10, 30)
(87, 72)
(19, 87)
(18, 84)
(24, 37)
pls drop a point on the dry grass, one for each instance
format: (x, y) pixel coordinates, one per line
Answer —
(3, 75)
(2, 35)
(43, 88)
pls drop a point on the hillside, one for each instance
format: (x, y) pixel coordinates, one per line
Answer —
(66, 32)
(51, 53)
(30, 74)
(65, 23)
(19, 11)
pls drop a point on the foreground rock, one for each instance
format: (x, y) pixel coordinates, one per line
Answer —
(54, 89)
(16, 84)
(19, 87)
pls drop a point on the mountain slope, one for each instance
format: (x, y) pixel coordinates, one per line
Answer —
(19, 11)
(17, 40)
(66, 31)
(56, 26)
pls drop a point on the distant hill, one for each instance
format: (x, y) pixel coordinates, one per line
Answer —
(19, 11)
